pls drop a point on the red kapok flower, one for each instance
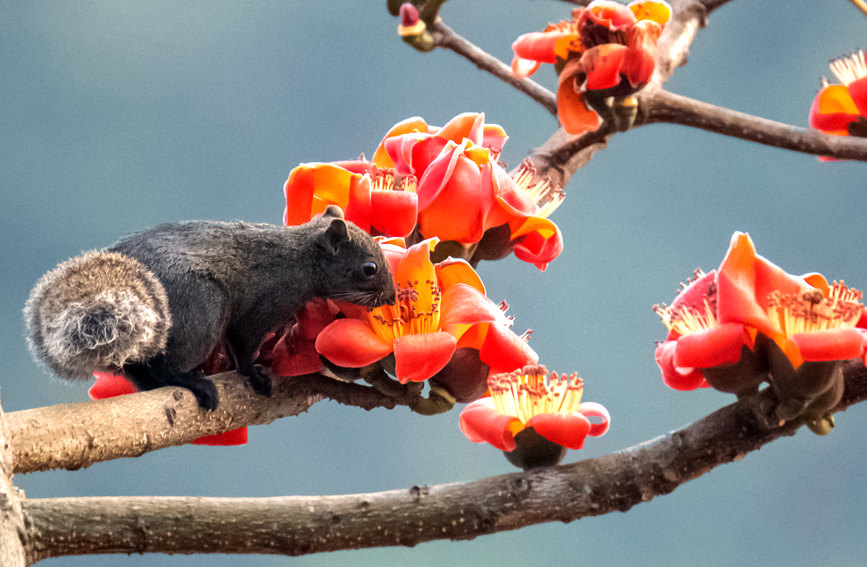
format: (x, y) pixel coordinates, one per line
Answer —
(371, 197)
(530, 399)
(807, 319)
(436, 305)
(697, 341)
(463, 194)
(842, 109)
(607, 50)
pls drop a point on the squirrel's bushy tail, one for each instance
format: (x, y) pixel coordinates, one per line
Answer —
(97, 312)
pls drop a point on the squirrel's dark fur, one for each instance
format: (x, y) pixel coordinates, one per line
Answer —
(157, 303)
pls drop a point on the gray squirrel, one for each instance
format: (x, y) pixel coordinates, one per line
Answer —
(157, 303)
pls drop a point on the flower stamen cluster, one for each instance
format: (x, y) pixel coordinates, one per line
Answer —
(530, 391)
(849, 69)
(811, 311)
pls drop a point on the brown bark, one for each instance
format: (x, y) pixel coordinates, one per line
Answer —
(300, 525)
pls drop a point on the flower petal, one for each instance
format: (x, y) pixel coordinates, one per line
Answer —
(836, 344)
(565, 429)
(293, 355)
(716, 346)
(453, 271)
(464, 305)
(575, 116)
(677, 378)
(418, 357)
(109, 385)
(394, 212)
(603, 65)
(504, 351)
(539, 250)
(481, 423)
(351, 343)
(833, 109)
(415, 124)
(659, 12)
(329, 184)
(593, 409)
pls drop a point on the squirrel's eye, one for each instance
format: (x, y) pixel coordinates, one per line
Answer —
(369, 269)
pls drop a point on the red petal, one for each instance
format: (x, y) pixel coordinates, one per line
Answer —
(293, 355)
(537, 46)
(229, 438)
(837, 344)
(538, 250)
(109, 385)
(565, 429)
(351, 343)
(592, 409)
(454, 199)
(858, 92)
(574, 115)
(481, 423)
(504, 351)
(603, 65)
(464, 305)
(716, 346)
(677, 378)
(833, 109)
(418, 357)
(415, 124)
(315, 316)
(394, 213)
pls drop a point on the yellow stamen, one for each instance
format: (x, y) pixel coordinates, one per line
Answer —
(385, 180)
(688, 319)
(546, 194)
(404, 318)
(810, 311)
(850, 69)
(530, 391)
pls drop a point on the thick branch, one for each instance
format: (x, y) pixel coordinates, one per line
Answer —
(12, 529)
(663, 106)
(301, 525)
(73, 436)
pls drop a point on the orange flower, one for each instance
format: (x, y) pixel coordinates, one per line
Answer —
(439, 308)
(445, 180)
(371, 197)
(750, 321)
(606, 50)
(530, 399)
(842, 109)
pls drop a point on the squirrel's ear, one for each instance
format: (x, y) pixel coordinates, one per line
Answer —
(333, 236)
(333, 211)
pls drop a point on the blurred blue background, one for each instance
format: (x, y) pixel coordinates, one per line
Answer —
(120, 115)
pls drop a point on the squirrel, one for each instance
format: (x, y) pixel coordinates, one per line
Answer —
(156, 304)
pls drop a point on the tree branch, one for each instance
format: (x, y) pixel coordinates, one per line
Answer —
(300, 525)
(658, 105)
(446, 38)
(12, 527)
(74, 436)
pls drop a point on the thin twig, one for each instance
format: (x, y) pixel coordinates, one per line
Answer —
(446, 38)
(301, 525)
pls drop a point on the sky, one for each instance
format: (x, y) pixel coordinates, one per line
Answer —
(117, 116)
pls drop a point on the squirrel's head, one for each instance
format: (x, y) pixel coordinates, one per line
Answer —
(353, 266)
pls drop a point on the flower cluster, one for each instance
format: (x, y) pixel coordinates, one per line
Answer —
(603, 55)
(437, 182)
(533, 417)
(842, 109)
(750, 321)
(441, 310)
